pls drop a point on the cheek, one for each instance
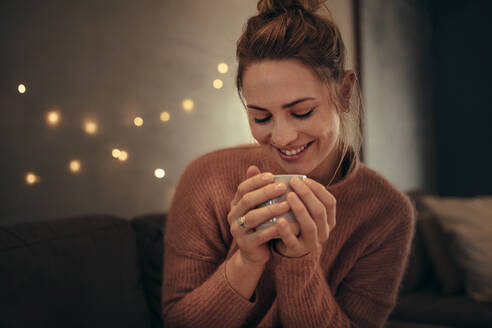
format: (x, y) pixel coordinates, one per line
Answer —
(260, 133)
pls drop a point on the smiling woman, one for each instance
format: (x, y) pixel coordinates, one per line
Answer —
(341, 262)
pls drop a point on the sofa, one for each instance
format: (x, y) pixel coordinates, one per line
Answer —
(85, 271)
(106, 271)
(433, 293)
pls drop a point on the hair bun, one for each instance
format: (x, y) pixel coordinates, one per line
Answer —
(281, 6)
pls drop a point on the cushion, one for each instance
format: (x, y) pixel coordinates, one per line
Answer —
(149, 231)
(449, 274)
(73, 272)
(468, 223)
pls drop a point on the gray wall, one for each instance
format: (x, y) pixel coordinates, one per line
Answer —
(397, 86)
(111, 61)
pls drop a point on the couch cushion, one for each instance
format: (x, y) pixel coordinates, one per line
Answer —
(149, 231)
(431, 307)
(437, 242)
(74, 272)
(468, 223)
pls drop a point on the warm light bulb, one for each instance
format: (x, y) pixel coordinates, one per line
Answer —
(159, 173)
(123, 156)
(138, 121)
(21, 88)
(32, 178)
(165, 116)
(116, 153)
(75, 166)
(53, 118)
(218, 84)
(222, 68)
(90, 127)
(188, 105)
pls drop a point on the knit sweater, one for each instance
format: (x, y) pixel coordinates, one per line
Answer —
(354, 283)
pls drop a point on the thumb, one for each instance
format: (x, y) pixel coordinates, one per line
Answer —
(252, 171)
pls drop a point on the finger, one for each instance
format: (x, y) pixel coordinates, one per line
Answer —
(309, 229)
(254, 239)
(254, 198)
(326, 198)
(251, 183)
(258, 216)
(287, 236)
(314, 206)
(252, 171)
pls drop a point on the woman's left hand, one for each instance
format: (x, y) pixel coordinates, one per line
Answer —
(315, 210)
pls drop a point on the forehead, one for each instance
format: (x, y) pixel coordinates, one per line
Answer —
(274, 82)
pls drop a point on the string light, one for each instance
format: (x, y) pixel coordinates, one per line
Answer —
(116, 153)
(159, 173)
(90, 127)
(123, 156)
(188, 105)
(21, 88)
(222, 68)
(75, 166)
(53, 117)
(165, 116)
(138, 121)
(218, 83)
(32, 178)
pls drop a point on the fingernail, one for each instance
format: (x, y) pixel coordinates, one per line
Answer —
(295, 181)
(284, 205)
(267, 176)
(279, 186)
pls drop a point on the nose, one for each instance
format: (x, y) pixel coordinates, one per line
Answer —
(283, 133)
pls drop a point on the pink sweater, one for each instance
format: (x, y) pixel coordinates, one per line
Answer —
(353, 284)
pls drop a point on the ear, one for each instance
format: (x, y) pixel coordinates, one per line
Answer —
(346, 87)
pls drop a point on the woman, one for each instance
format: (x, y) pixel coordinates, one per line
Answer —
(341, 264)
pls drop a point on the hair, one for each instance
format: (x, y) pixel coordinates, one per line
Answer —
(290, 29)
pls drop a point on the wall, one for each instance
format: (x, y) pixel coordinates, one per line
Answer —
(463, 82)
(111, 61)
(398, 87)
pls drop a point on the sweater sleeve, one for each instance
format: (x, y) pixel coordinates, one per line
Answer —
(195, 291)
(364, 298)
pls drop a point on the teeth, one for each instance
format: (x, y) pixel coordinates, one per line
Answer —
(294, 151)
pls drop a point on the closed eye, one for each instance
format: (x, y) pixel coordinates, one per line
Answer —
(305, 115)
(300, 116)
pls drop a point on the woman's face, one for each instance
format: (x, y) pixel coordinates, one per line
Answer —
(290, 111)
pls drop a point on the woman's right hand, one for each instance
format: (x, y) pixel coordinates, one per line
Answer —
(255, 190)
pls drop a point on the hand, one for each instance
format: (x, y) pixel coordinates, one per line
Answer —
(255, 190)
(315, 211)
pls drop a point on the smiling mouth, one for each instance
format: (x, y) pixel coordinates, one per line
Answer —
(296, 151)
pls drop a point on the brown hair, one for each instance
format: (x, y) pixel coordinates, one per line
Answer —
(290, 29)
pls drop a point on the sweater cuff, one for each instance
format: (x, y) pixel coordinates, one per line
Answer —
(231, 301)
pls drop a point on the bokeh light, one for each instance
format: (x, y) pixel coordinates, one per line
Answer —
(159, 173)
(188, 105)
(53, 117)
(123, 156)
(21, 88)
(218, 83)
(90, 127)
(32, 178)
(116, 153)
(165, 116)
(222, 68)
(75, 166)
(138, 121)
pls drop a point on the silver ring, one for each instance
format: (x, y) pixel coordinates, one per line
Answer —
(242, 222)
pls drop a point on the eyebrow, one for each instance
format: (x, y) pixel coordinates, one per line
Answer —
(293, 103)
